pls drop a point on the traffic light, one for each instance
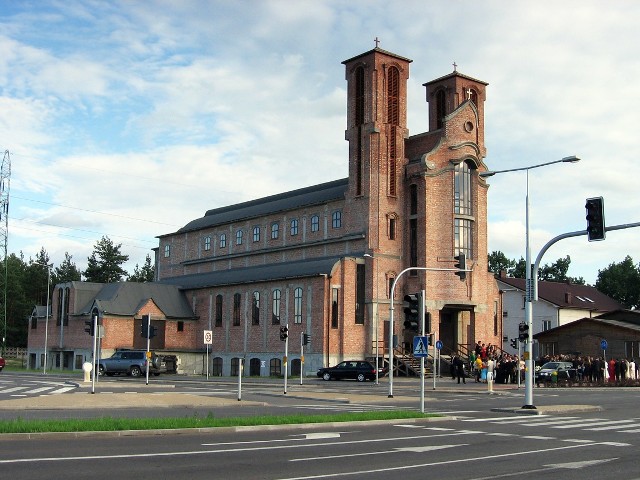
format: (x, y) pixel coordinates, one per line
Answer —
(284, 333)
(514, 343)
(461, 265)
(145, 331)
(306, 339)
(595, 218)
(89, 327)
(523, 332)
(411, 311)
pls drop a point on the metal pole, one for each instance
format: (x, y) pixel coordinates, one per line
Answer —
(240, 365)
(528, 313)
(301, 355)
(46, 322)
(286, 359)
(95, 364)
(422, 329)
(148, 345)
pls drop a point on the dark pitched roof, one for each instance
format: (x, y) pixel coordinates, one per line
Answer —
(377, 50)
(259, 273)
(454, 74)
(568, 295)
(126, 298)
(303, 197)
(578, 324)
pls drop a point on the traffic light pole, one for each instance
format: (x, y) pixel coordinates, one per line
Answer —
(391, 310)
(148, 344)
(95, 364)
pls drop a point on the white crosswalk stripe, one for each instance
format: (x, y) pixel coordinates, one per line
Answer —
(587, 424)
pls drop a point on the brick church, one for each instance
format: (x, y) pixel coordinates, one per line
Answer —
(322, 260)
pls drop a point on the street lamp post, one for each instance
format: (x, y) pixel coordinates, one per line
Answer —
(528, 297)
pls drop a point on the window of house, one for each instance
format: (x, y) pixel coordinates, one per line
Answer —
(393, 118)
(315, 223)
(167, 250)
(275, 231)
(34, 322)
(255, 308)
(359, 120)
(236, 308)
(334, 308)
(390, 286)
(440, 108)
(239, 237)
(462, 210)
(223, 240)
(546, 325)
(360, 278)
(413, 199)
(207, 243)
(256, 234)
(294, 227)
(336, 219)
(392, 228)
(297, 305)
(60, 305)
(275, 308)
(218, 317)
(180, 326)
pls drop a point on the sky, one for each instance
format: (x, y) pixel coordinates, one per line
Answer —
(128, 119)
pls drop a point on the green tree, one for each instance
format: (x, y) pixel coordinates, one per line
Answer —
(557, 272)
(19, 305)
(144, 274)
(621, 281)
(105, 263)
(498, 262)
(67, 271)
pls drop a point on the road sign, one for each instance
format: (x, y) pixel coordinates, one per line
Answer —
(603, 344)
(439, 344)
(208, 337)
(420, 346)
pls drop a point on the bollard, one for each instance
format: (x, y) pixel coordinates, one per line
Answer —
(86, 368)
(490, 382)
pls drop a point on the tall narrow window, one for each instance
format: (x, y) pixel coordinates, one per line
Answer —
(315, 223)
(275, 308)
(413, 199)
(413, 244)
(255, 308)
(294, 227)
(239, 237)
(440, 108)
(59, 313)
(218, 317)
(207, 242)
(393, 118)
(275, 231)
(463, 210)
(334, 308)
(236, 308)
(297, 305)
(360, 113)
(167, 250)
(359, 313)
(392, 228)
(336, 219)
(256, 234)
(462, 189)
(223, 240)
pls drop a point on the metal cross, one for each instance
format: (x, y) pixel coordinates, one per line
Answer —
(455, 66)
(377, 41)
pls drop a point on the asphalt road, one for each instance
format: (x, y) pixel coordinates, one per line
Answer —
(497, 446)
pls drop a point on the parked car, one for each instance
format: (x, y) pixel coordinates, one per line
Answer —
(562, 371)
(132, 362)
(360, 370)
(2, 363)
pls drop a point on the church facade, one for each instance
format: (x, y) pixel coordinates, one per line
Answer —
(322, 260)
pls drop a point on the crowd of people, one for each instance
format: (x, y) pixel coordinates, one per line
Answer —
(486, 362)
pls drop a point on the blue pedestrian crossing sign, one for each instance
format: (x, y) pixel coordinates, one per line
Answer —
(420, 346)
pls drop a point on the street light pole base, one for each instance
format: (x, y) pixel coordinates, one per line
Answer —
(529, 407)
(389, 396)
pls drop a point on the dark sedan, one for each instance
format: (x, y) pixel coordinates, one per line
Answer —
(352, 369)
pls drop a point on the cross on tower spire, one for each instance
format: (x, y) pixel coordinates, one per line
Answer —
(377, 41)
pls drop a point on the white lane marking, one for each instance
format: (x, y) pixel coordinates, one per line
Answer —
(612, 427)
(593, 423)
(503, 419)
(426, 448)
(431, 464)
(13, 389)
(38, 390)
(62, 390)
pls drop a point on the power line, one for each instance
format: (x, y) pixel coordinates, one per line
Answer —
(97, 212)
